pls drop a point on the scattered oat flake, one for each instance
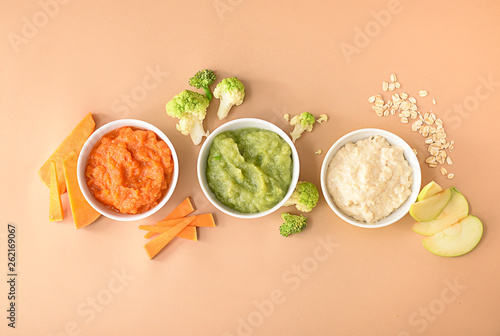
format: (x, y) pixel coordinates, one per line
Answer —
(415, 151)
(430, 159)
(427, 124)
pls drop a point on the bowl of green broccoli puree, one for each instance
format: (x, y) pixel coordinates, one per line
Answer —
(248, 168)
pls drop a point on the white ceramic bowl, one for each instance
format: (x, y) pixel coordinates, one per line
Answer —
(82, 163)
(234, 125)
(393, 140)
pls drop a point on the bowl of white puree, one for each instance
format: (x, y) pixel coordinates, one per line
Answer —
(370, 177)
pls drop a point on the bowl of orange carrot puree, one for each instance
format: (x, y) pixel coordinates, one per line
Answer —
(127, 170)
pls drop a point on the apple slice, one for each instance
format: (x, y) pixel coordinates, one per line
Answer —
(454, 211)
(432, 188)
(457, 239)
(429, 208)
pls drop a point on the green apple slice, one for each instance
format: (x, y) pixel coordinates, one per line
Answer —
(429, 208)
(432, 188)
(457, 239)
(456, 209)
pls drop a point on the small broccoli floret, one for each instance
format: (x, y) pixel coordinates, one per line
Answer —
(202, 80)
(231, 92)
(302, 122)
(305, 196)
(190, 108)
(292, 224)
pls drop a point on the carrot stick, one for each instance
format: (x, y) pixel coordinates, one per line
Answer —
(149, 234)
(204, 220)
(56, 212)
(188, 233)
(181, 211)
(154, 228)
(155, 245)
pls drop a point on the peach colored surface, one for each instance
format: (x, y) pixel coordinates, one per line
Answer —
(126, 59)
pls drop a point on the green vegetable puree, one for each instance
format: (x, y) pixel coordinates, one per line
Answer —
(250, 169)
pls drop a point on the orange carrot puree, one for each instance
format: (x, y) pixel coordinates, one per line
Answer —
(129, 170)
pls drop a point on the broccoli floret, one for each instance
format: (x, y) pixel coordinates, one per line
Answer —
(202, 80)
(305, 196)
(302, 122)
(190, 108)
(231, 92)
(292, 224)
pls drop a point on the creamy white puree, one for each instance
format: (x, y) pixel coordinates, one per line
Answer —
(369, 179)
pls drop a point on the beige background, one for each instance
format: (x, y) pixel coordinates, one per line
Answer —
(242, 277)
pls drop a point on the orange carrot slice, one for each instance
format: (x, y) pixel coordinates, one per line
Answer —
(154, 228)
(203, 220)
(55, 206)
(83, 213)
(157, 244)
(181, 211)
(149, 234)
(188, 233)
